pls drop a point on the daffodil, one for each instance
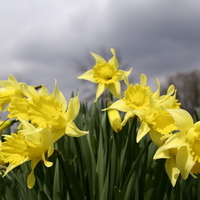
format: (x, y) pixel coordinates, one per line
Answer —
(30, 144)
(181, 150)
(45, 109)
(106, 75)
(150, 108)
(8, 89)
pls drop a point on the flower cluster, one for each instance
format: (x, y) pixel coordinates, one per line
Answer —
(43, 119)
(171, 128)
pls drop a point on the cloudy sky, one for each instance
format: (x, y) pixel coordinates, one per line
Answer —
(46, 40)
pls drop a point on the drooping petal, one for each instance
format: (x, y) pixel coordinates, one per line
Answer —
(156, 137)
(73, 131)
(142, 131)
(172, 170)
(115, 89)
(161, 153)
(88, 75)
(46, 162)
(31, 176)
(100, 89)
(128, 115)
(184, 161)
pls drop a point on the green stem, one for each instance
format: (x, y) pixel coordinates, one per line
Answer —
(135, 163)
(73, 183)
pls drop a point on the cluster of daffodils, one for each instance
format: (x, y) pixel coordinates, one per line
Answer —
(171, 128)
(43, 119)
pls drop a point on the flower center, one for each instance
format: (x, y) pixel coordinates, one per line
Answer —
(137, 97)
(45, 110)
(105, 73)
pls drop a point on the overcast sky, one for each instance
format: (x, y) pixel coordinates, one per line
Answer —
(41, 41)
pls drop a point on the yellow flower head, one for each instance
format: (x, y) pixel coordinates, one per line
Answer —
(106, 75)
(44, 109)
(137, 97)
(32, 144)
(9, 89)
(181, 149)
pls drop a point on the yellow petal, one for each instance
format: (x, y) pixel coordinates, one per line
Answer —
(126, 74)
(143, 80)
(142, 131)
(184, 161)
(113, 61)
(156, 137)
(97, 58)
(127, 116)
(172, 170)
(28, 91)
(182, 118)
(73, 131)
(57, 94)
(73, 108)
(119, 105)
(88, 75)
(31, 176)
(100, 89)
(115, 89)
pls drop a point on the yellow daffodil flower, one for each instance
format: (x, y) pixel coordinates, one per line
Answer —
(44, 109)
(8, 89)
(181, 150)
(106, 75)
(149, 107)
(32, 144)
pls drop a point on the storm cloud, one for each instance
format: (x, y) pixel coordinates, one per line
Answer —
(48, 40)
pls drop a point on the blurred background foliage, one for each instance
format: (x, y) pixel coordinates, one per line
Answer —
(102, 165)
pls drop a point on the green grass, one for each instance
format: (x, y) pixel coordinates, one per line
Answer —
(102, 165)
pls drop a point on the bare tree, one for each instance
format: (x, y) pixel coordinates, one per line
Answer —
(188, 89)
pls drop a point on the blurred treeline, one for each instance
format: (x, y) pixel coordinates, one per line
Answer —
(188, 89)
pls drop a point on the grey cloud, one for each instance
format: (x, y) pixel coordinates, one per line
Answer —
(157, 38)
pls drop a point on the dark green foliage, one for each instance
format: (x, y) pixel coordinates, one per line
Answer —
(102, 165)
